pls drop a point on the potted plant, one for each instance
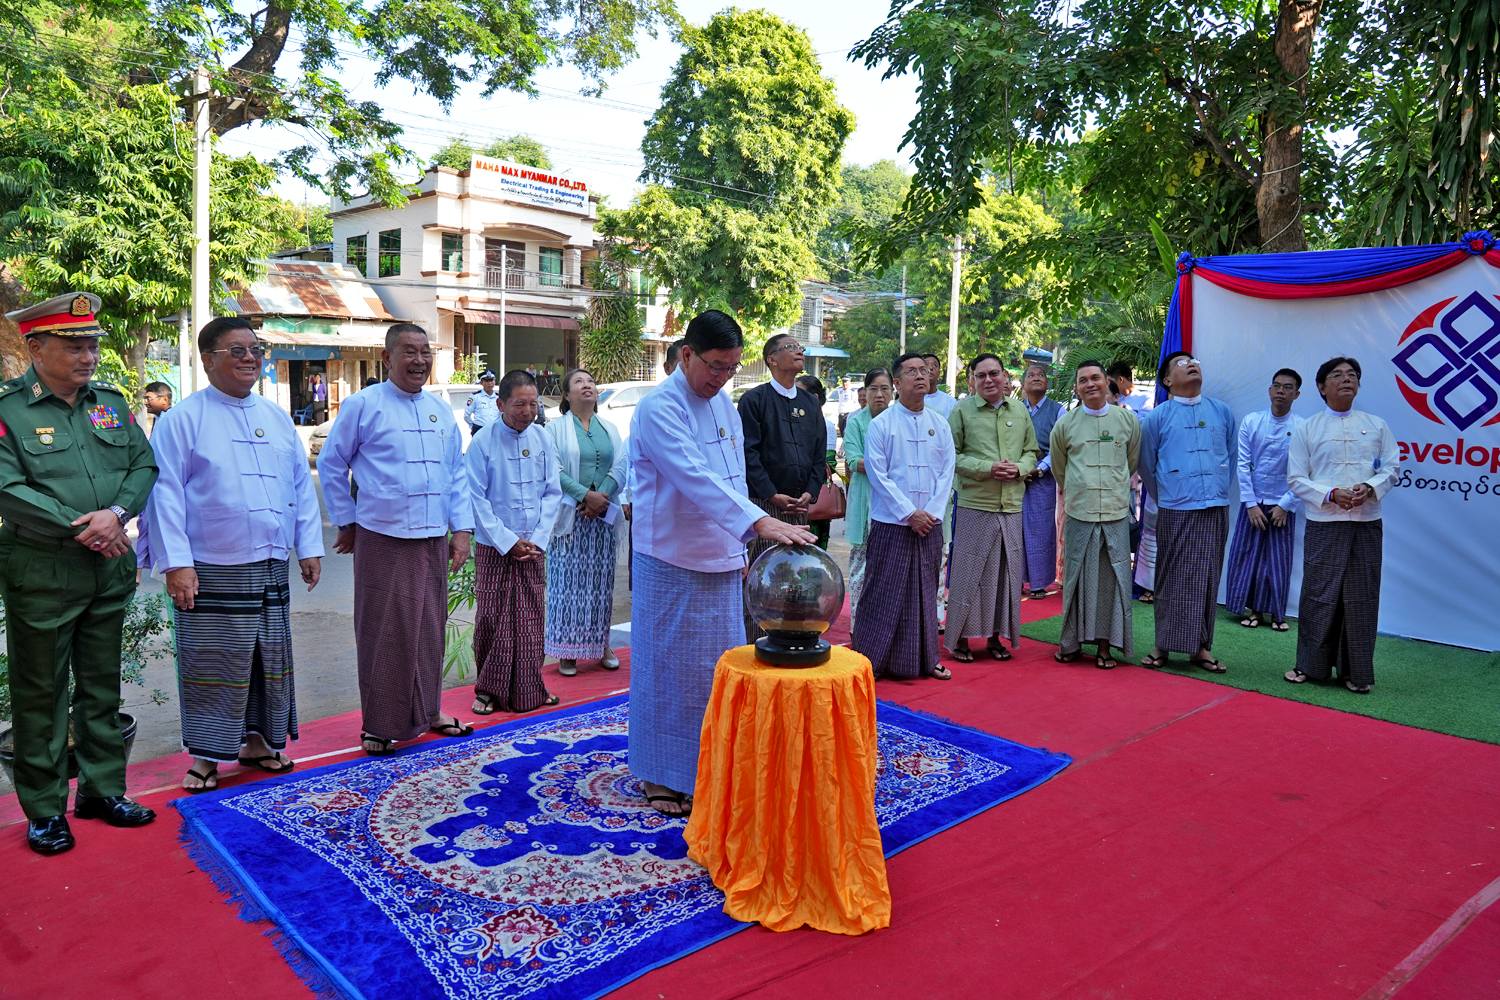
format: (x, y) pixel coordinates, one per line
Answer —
(141, 640)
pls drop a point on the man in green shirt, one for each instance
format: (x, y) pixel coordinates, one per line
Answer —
(74, 467)
(1094, 449)
(996, 449)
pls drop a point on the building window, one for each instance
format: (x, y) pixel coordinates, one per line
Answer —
(356, 254)
(453, 252)
(390, 253)
(645, 366)
(550, 263)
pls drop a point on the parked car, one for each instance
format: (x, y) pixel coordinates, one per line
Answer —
(617, 402)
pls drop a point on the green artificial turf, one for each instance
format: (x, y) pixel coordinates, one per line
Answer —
(1421, 684)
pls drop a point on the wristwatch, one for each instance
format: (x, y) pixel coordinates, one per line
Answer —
(120, 512)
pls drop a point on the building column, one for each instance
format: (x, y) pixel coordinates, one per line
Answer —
(572, 268)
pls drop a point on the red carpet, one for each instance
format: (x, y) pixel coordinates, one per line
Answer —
(1207, 842)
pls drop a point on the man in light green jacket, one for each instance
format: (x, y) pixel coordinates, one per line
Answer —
(996, 446)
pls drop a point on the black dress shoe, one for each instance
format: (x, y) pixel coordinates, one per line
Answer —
(116, 810)
(50, 835)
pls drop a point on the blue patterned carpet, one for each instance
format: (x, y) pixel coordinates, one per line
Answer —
(522, 861)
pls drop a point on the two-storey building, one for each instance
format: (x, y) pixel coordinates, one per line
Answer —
(490, 259)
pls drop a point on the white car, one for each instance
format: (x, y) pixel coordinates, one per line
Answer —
(617, 401)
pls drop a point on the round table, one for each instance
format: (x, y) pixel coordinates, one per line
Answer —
(784, 805)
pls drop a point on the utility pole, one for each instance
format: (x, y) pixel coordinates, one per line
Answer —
(903, 310)
(504, 281)
(202, 159)
(958, 268)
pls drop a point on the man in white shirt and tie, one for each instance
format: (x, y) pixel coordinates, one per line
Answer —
(233, 501)
(1340, 464)
(909, 459)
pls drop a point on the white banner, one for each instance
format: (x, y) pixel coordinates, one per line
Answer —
(529, 185)
(1430, 352)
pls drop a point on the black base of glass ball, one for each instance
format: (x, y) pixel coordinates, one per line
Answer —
(792, 651)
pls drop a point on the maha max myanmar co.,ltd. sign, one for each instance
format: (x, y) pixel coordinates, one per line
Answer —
(529, 185)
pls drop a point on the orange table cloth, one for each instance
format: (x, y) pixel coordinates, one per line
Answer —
(784, 806)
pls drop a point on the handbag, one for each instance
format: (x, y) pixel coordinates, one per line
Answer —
(829, 504)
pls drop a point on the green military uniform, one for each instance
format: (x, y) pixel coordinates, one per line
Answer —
(65, 604)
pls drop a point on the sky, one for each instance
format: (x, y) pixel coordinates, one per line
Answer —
(598, 140)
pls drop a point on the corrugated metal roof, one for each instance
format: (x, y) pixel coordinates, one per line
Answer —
(310, 288)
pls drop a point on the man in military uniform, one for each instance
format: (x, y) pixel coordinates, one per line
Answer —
(74, 467)
(483, 405)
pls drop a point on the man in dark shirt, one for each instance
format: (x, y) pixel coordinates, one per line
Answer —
(785, 443)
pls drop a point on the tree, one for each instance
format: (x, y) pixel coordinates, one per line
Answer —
(1240, 91)
(609, 340)
(868, 197)
(460, 153)
(95, 198)
(743, 159)
(285, 53)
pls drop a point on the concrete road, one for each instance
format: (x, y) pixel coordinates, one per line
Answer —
(323, 651)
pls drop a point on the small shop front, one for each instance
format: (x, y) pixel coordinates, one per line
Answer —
(345, 356)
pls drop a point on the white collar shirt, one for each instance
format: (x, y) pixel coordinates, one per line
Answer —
(404, 450)
(513, 477)
(909, 460)
(1332, 450)
(234, 486)
(1264, 441)
(690, 505)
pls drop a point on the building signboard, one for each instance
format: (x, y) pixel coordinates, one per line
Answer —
(528, 185)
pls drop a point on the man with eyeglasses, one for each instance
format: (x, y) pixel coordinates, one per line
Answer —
(1260, 559)
(1187, 458)
(233, 502)
(692, 519)
(785, 444)
(1340, 463)
(996, 447)
(74, 468)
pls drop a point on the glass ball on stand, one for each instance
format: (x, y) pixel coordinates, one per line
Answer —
(794, 593)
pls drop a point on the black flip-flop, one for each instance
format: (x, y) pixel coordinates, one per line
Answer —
(997, 650)
(483, 705)
(454, 728)
(1357, 688)
(942, 673)
(1153, 661)
(963, 655)
(1295, 676)
(386, 746)
(259, 763)
(678, 799)
(1106, 662)
(550, 700)
(1280, 627)
(1062, 657)
(1248, 622)
(211, 776)
(1210, 664)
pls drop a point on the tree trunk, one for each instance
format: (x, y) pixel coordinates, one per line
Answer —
(14, 358)
(1278, 194)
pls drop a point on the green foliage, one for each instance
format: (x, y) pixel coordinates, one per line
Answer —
(869, 197)
(96, 198)
(466, 369)
(289, 55)
(744, 158)
(460, 153)
(609, 340)
(458, 644)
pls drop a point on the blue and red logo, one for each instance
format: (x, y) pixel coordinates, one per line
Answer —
(1448, 367)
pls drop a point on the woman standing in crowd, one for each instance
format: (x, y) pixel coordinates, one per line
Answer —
(581, 559)
(878, 392)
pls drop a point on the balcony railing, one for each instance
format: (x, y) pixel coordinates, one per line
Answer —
(517, 279)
